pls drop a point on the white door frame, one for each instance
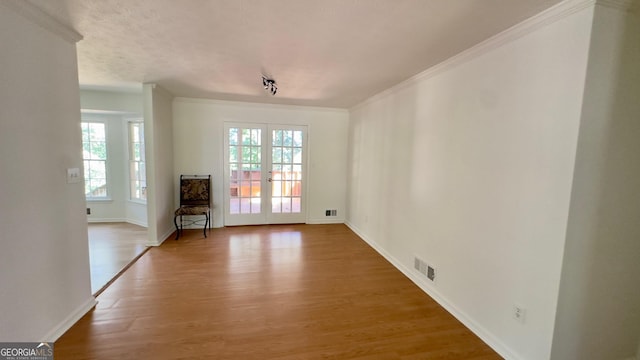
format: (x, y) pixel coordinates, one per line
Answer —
(265, 214)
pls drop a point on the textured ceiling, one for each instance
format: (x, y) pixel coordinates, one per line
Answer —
(332, 53)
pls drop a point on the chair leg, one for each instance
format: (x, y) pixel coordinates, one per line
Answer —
(175, 217)
(206, 221)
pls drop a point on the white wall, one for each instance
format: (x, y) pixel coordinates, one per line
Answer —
(116, 109)
(599, 305)
(44, 256)
(158, 115)
(469, 166)
(198, 129)
(118, 102)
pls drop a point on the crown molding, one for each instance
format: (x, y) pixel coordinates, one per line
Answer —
(542, 19)
(34, 14)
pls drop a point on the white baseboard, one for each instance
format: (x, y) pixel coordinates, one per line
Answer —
(105, 220)
(69, 321)
(162, 237)
(116, 220)
(325, 221)
(477, 329)
(136, 222)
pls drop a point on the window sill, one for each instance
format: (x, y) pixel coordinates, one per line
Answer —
(139, 202)
(99, 200)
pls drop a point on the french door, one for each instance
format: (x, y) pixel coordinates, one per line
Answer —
(265, 174)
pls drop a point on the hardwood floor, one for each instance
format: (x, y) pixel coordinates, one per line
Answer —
(112, 246)
(267, 292)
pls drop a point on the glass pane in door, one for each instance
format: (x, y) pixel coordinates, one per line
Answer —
(286, 171)
(245, 170)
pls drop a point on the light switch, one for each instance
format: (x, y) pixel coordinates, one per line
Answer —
(73, 175)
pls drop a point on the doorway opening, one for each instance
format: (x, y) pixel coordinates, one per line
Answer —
(115, 191)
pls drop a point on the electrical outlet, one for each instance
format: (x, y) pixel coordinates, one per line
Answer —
(519, 313)
(334, 212)
(327, 213)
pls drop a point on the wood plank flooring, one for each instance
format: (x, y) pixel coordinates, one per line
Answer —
(267, 292)
(112, 246)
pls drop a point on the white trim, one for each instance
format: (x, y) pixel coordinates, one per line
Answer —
(97, 199)
(105, 220)
(251, 218)
(106, 112)
(164, 237)
(467, 321)
(108, 164)
(265, 216)
(325, 221)
(116, 220)
(129, 160)
(34, 14)
(286, 218)
(542, 19)
(69, 321)
(136, 222)
(133, 117)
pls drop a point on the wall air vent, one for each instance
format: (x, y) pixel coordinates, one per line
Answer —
(424, 268)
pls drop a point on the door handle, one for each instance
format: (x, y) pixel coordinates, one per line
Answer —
(269, 180)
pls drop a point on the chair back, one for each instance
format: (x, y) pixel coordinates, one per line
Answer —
(195, 190)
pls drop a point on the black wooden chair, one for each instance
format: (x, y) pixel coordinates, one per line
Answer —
(195, 200)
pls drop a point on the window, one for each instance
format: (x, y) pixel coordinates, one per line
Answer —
(137, 169)
(94, 154)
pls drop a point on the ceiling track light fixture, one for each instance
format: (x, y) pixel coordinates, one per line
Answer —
(269, 85)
